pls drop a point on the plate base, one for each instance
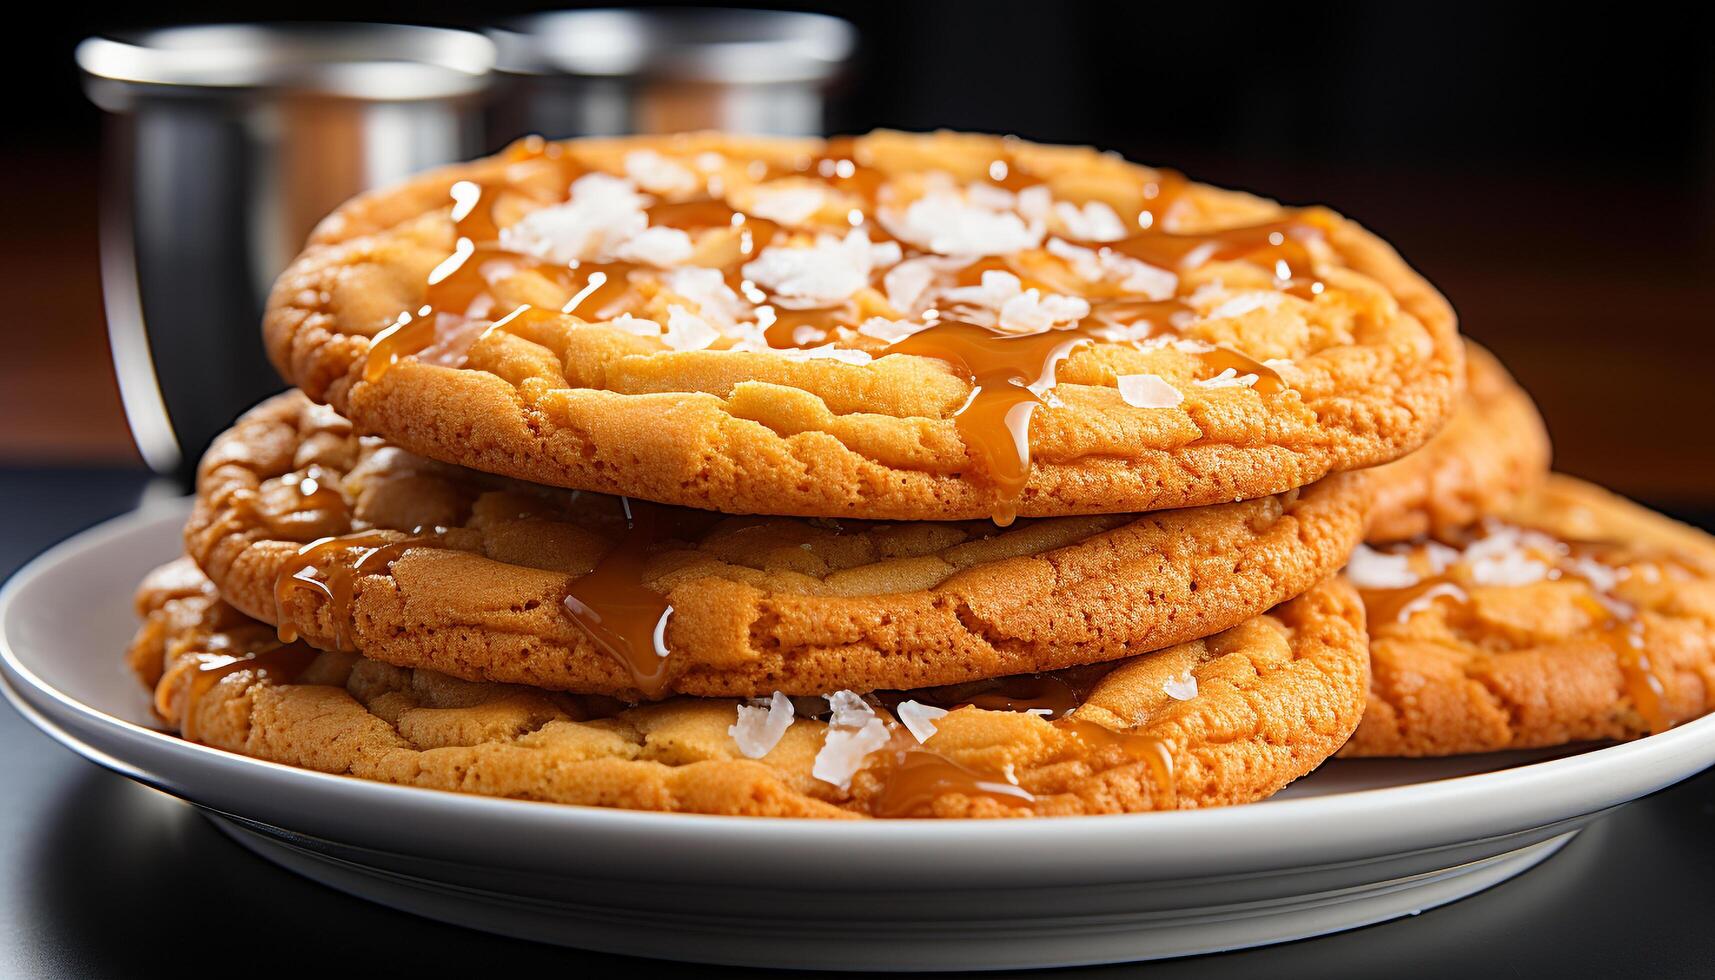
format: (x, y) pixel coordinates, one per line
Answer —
(864, 942)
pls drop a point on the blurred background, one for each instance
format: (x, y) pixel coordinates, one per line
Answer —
(1551, 170)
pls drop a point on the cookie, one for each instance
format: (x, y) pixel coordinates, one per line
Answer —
(1492, 452)
(358, 545)
(1579, 616)
(1229, 719)
(892, 327)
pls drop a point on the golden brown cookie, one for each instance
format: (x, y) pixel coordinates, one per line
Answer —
(1578, 616)
(1229, 719)
(892, 326)
(1492, 452)
(486, 578)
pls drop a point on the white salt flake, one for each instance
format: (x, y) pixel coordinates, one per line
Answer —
(662, 248)
(853, 733)
(1033, 311)
(1180, 688)
(1440, 590)
(826, 352)
(824, 274)
(1601, 577)
(1002, 299)
(760, 726)
(1241, 303)
(716, 301)
(1106, 265)
(976, 223)
(604, 212)
(1372, 569)
(1229, 378)
(908, 282)
(1503, 558)
(657, 174)
(1035, 204)
(890, 331)
(1148, 391)
(1441, 557)
(848, 709)
(635, 325)
(688, 331)
(787, 205)
(1093, 222)
(919, 719)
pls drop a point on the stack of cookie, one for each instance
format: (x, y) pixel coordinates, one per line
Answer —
(893, 476)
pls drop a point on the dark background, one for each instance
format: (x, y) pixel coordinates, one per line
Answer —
(1551, 168)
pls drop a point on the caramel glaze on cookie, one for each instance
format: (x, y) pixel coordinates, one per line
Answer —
(1492, 452)
(1576, 616)
(360, 546)
(892, 326)
(1225, 720)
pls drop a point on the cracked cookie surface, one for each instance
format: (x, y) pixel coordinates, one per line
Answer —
(1224, 720)
(805, 606)
(1493, 451)
(865, 328)
(1575, 616)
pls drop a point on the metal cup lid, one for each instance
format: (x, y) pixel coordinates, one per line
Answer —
(373, 62)
(716, 46)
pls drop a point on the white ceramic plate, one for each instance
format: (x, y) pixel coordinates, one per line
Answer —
(1351, 844)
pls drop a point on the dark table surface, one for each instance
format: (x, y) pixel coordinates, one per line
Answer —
(106, 878)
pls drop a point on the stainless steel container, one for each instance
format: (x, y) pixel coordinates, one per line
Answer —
(225, 145)
(611, 72)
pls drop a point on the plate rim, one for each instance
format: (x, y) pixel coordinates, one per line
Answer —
(1531, 795)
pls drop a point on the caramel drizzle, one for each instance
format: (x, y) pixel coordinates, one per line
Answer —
(994, 424)
(1052, 694)
(1617, 623)
(995, 421)
(1221, 359)
(916, 777)
(802, 328)
(838, 165)
(316, 491)
(912, 785)
(1153, 752)
(282, 663)
(614, 604)
(377, 551)
(1281, 246)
